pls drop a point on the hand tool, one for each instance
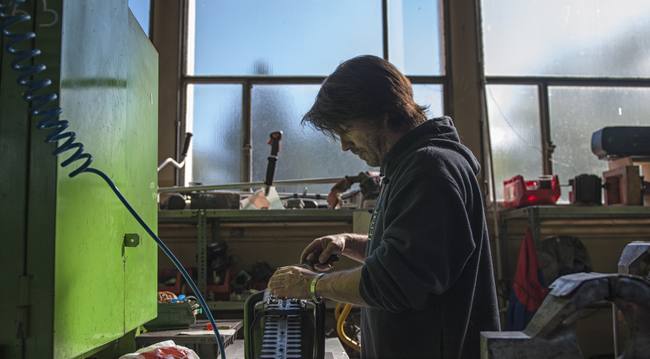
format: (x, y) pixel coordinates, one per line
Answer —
(274, 141)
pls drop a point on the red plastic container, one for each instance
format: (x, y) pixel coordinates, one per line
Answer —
(518, 192)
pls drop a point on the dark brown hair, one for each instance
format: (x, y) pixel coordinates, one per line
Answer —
(365, 88)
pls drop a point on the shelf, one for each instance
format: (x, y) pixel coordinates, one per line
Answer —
(233, 215)
(570, 211)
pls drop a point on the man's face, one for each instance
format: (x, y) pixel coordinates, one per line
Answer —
(365, 141)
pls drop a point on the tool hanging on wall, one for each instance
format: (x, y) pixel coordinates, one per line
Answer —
(267, 198)
(274, 141)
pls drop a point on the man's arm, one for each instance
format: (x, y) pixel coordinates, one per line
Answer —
(295, 282)
(341, 286)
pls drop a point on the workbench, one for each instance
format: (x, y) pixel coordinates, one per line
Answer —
(196, 337)
(204, 343)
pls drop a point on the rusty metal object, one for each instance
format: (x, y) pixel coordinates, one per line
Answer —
(551, 332)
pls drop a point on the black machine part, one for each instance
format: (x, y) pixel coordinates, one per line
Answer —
(215, 200)
(621, 141)
(173, 201)
(186, 145)
(277, 328)
(586, 189)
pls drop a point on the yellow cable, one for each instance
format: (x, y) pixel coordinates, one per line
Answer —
(343, 315)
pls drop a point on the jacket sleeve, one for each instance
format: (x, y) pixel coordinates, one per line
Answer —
(427, 241)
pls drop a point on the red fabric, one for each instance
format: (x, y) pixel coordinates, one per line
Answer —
(166, 353)
(527, 287)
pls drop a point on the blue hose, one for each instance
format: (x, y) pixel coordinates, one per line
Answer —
(44, 108)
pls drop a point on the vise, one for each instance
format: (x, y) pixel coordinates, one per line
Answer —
(551, 332)
(635, 259)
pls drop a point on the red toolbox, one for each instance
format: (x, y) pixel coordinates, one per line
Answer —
(518, 192)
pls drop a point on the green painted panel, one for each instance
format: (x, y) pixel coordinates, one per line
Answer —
(64, 236)
(142, 135)
(90, 222)
(14, 136)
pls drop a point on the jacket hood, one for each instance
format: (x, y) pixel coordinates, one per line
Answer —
(439, 132)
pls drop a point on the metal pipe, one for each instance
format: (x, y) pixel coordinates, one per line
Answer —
(246, 174)
(545, 126)
(173, 162)
(244, 185)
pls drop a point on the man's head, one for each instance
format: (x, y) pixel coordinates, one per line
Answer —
(368, 104)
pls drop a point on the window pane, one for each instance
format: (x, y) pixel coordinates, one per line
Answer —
(514, 133)
(214, 117)
(304, 153)
(577, 112)
(281, 37)
(567, 37)
(429, 95)
(415, 40)
(141, 10)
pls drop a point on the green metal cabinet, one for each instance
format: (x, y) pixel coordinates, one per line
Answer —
(73, 286)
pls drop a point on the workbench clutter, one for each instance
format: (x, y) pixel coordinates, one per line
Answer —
(199, 196)
(627, 152)
(163, 350)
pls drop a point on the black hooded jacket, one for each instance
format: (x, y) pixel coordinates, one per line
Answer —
(428, 275)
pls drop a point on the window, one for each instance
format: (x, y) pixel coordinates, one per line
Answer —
(254, 67)
(141, 9)
(570, 68)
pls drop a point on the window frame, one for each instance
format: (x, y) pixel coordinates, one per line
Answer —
(248, 81)
(543, 84)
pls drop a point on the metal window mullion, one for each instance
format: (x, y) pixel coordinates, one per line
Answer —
(569, 81)
(290, 80)
(181, 123)
(247, 134)
(384, 28)
(545, 126)
(181, 111)
(447, 85)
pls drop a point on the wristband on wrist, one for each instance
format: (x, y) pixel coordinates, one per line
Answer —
(312, 286)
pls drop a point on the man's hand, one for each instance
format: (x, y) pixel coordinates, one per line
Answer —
(291, 282)
(321, 249)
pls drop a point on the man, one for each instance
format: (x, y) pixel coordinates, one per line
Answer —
(425, 287)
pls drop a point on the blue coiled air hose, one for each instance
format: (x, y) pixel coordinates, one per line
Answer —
(44, 108)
